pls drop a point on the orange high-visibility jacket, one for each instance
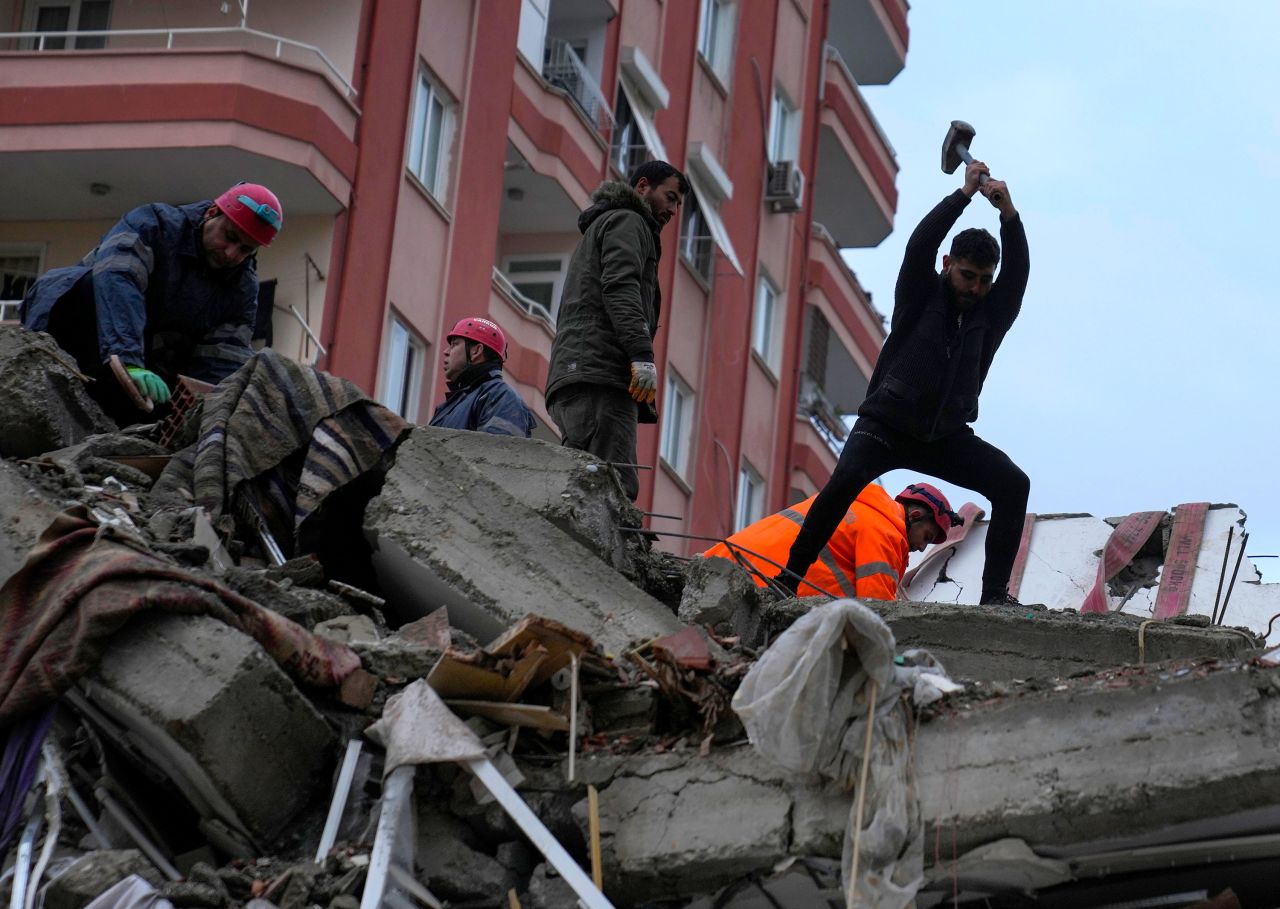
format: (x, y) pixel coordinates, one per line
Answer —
(866, 557)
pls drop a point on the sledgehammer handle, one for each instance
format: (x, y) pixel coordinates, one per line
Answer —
(967, 158)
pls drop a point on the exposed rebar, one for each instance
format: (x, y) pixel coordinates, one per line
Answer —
(1244, 539)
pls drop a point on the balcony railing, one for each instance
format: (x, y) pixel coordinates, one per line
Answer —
(564, 69)
(532, 307)
(169, 38)
(821, 413)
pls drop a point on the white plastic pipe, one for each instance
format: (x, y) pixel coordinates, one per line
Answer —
(538, 834)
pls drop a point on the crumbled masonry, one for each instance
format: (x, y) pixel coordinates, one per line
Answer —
(43, 402)
(1075, 735)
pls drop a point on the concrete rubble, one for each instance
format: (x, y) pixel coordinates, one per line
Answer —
(1079, 744)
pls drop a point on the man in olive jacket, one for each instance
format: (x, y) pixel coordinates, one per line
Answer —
(603, 379)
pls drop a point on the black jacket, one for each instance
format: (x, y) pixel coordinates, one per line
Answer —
(611, 301)
(933, 365)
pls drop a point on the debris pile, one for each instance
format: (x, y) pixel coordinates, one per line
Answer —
(281, 649)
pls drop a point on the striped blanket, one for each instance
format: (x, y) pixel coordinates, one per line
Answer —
(280, 437)
(83, 582)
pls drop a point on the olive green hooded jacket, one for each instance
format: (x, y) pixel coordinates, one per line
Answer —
(611, 301)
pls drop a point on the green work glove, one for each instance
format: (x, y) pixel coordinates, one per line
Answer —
(150, 384)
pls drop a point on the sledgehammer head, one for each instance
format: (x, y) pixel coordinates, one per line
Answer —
(955, 147)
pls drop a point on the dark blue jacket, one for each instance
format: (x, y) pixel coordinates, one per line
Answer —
(482, 402)
(150, 280)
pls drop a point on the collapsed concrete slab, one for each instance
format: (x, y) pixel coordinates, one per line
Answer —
(571, 489)
(1062, 567)
(209, 706)
(1083, 762)
(443, 534)
(25, 511)
(43, 402)
(996, 643)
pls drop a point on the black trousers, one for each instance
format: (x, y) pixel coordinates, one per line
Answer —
(600, 419)
(964, 459)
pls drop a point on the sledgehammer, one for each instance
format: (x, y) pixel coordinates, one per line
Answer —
(955, 149)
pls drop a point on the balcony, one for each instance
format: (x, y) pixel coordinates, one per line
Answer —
(857, 167)
(835, 290)
(872, 36)
(93, 123)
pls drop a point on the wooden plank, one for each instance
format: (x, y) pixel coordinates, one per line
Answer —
(560, 642)
(593, 826)
(534, 716)
(1179, 568)
(1020, 560)
(455, 677)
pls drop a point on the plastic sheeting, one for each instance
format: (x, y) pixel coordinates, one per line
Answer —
(805, 706)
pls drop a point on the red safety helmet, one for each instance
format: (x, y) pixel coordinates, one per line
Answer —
(931, 497)
(482, 331)
(254, 209)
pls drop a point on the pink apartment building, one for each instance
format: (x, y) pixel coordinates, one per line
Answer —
(432, 156)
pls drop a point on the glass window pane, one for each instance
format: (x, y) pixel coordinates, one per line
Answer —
(397, 354)
(53, 19)
(418, 129)
(95, 15)
(435, 130)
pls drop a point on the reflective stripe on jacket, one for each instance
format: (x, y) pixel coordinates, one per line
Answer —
(866, 556)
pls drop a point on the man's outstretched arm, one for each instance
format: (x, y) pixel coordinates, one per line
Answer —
(919, 263)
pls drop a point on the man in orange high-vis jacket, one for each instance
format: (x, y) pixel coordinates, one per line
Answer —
(867, 555)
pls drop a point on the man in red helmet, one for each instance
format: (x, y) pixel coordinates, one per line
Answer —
(865, 557)
(168, 289)
(478, 398)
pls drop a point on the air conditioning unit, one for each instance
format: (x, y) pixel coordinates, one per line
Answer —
(785, 188)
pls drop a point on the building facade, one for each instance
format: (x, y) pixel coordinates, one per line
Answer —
(432, 157)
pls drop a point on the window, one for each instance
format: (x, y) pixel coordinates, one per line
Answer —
(677, 424)
(71, 16)
(750, 498)
(628, 149)
(539, 279)
(715, 35)
(783, 126)
(766, 322)
(696, 243)
(429, 136)
(402, 371)
(19, 267)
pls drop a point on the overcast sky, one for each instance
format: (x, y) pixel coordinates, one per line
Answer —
(1141, 144)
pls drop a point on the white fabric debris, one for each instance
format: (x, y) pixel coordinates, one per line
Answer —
(804, 705)
(417, 728)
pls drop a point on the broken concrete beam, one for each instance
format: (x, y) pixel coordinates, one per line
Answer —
(1064, 766)
(572, 489)
(43, 402)
(720, 593)
(990, 643)
(442, 534)
(25, 511)
(207, 705)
